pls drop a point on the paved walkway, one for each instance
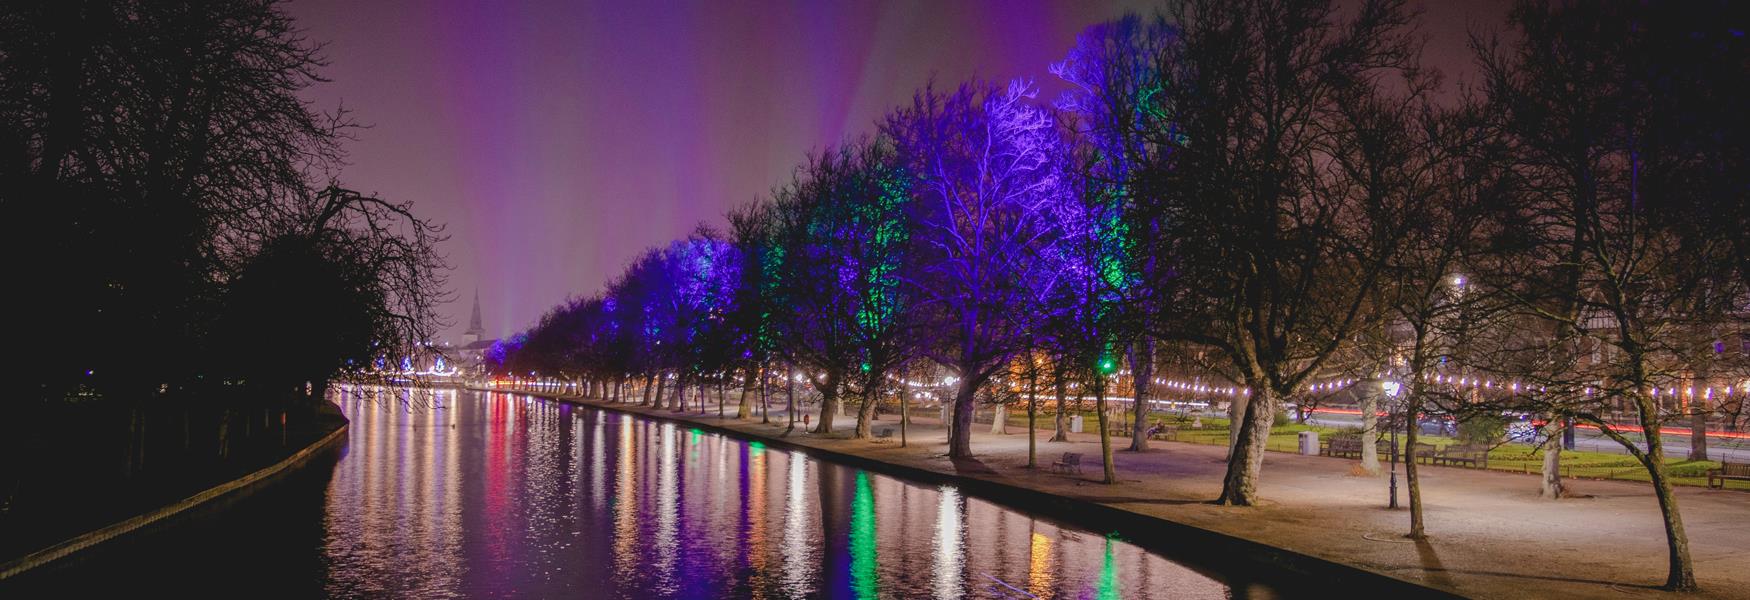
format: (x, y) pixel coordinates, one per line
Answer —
(1491, 536)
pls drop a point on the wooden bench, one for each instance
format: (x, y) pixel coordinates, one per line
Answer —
(1716, 478)
(1070, 463)
(1165, 432)
(1424, 453)
(884, 433)
(1463, 455)
(1349, 446)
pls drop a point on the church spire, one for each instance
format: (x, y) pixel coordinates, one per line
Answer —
(475, 329)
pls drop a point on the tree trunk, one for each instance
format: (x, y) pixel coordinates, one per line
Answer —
(1698, 429)
(1142, 373)
(790, 399)
(1252, 435)
(1062, 432)
(1552, 459)
(1412, 410)
(1370, 428)
(745, 409)
(1110, 470)
(224, 434)
(999, 420)
(1681, 570)
(829, 402)
(1032, 421)
(866, 410)
(904, 410)
(960, 431)
(653, 391)
(1236, 411)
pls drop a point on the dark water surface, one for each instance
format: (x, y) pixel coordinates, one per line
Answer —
(502, 495)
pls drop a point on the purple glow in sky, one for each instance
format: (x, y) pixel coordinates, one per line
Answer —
(559, 139)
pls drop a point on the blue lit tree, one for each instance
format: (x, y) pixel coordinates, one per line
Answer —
(1089, 317)
(704, 272)
(987, 180)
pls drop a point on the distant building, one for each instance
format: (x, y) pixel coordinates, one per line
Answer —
(471, 354)
(475, 331)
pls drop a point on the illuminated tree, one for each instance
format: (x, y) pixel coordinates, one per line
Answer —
(986, 182)
(757, 298)
(1088, 323)
(842, 228)
(1115, 98)
(704, 272)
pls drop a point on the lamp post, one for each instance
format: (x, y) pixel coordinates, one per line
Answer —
(1391, 389)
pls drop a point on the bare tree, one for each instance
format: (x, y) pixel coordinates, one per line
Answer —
(1625, 293)
(1275, 254)
(172, 130)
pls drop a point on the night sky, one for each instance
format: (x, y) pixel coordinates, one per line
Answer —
(559, 139)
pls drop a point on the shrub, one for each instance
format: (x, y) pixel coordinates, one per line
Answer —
(1487, 429)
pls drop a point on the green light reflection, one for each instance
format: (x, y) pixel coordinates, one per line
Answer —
(864, 576)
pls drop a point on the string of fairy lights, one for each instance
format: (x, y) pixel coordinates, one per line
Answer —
(1201, 387)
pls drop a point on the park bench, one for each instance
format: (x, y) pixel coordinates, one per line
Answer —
(1348, 445)
(1165, 432)
(884, 433)
(1070, 463)
(1468, 455)
(1716, 478)
(1424, 453)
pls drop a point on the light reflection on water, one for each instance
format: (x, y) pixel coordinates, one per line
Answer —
(500, 495)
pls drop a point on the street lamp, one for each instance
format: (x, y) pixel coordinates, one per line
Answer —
(1391, 389)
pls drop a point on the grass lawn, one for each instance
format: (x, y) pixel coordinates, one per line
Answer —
(1517, 458)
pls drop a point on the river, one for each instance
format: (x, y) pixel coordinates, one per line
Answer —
(486, 495)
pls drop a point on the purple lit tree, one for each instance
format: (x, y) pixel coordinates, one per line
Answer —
(987, 181)
(705, 271)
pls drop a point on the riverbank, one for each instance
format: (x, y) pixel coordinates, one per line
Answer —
(300, 444)
(1490, 535)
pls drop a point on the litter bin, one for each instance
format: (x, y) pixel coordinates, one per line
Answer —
(1309, 443)
(1075, 424)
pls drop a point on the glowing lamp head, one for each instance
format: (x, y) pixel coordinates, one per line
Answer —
(1107, 365)
(1391, 388)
